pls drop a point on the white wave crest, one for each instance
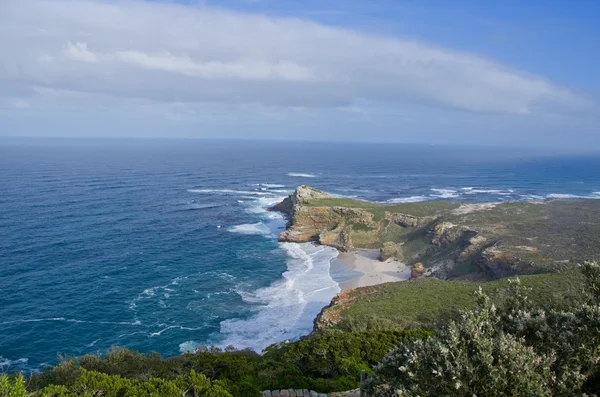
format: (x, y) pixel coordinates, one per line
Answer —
(595, 195)
(402, 200)
(251, 228)
(6, 363)
(272, 185)
(301, 175)
(444, 193)
(288, 306)
(532, 197)
(228, 191)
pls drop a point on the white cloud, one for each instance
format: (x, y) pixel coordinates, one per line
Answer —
(76, 52)
(193, 54)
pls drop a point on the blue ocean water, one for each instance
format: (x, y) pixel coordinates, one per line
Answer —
(163, 245)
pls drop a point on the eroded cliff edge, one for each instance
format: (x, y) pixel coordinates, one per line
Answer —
(451, 240)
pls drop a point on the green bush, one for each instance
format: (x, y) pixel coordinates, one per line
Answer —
(92, 383)
(12, 386)
(517, 349)
(326, 362)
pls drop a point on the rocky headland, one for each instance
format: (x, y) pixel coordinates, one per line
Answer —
(451, 240)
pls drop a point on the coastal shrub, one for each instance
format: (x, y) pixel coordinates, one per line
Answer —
(341, 354)
(326, 362)
(12, 386)
(516, 349)
(92, 383)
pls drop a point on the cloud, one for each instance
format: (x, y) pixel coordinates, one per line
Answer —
(76, 52)
(175, 53)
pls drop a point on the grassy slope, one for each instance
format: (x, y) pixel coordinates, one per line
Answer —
(421, 303)
(416, 209)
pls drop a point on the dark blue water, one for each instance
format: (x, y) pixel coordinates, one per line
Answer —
(166, 245)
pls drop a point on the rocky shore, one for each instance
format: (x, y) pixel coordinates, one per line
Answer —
(450, 240)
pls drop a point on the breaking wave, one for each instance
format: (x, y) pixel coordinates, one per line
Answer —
(301, 175)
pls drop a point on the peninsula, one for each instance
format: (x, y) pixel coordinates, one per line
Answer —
(451, 250)
(450, 240)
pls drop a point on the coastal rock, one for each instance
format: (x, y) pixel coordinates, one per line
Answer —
(338, 238)
(499, 263)
(406, 220)
(330, 314)
(446, 233)
(390, 250)
(301, 196)
(418, 270)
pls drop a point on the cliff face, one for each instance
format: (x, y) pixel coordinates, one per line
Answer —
(325, 225)
(451, 240)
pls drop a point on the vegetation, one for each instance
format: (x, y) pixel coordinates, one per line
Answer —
(323, 363)
(357, 227)
(517, 349)
(492, 240)
(423, 303)
(426, 208)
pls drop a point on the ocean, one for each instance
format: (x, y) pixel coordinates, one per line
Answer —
(166, 245)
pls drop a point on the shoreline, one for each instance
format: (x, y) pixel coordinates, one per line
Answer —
(369, 269)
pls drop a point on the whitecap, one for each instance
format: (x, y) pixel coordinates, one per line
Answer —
(272, 185)
(532, 197)
(488, 191)
(301, 175)
(6, 363)
(189, 346)
(402, 200)
(251, 228)
(286, 309)
(571, 196)
(444, 193)
(228, 191)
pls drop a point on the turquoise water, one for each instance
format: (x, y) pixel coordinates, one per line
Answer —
(166, 245)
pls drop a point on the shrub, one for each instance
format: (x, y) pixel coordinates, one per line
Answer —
(12, 386)
(513, 350)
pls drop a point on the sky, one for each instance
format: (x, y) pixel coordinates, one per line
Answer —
(466, 72)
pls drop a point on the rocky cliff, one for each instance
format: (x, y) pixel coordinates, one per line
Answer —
(451, 240)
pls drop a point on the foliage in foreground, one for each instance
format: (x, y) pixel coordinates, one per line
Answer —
(325, 363)
(515, 350)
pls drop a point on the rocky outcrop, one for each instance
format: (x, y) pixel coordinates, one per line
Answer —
(418, 270)
(323, 224)
(330, 314)
(447, 233)
(500, 263)
(390, 250)
(302, 195)
(406, 220)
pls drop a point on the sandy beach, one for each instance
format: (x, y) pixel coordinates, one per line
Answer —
(373, 270)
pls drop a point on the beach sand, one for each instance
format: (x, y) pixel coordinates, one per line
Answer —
(373, 270)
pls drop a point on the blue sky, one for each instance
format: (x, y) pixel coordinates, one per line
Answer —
(463, 72)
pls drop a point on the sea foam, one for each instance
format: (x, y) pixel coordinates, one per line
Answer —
(251, 228)
(401, 200)
(444, 193)
(286, 309)
(301, 175)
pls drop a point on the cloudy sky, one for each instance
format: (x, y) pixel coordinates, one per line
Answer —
(466, 72)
